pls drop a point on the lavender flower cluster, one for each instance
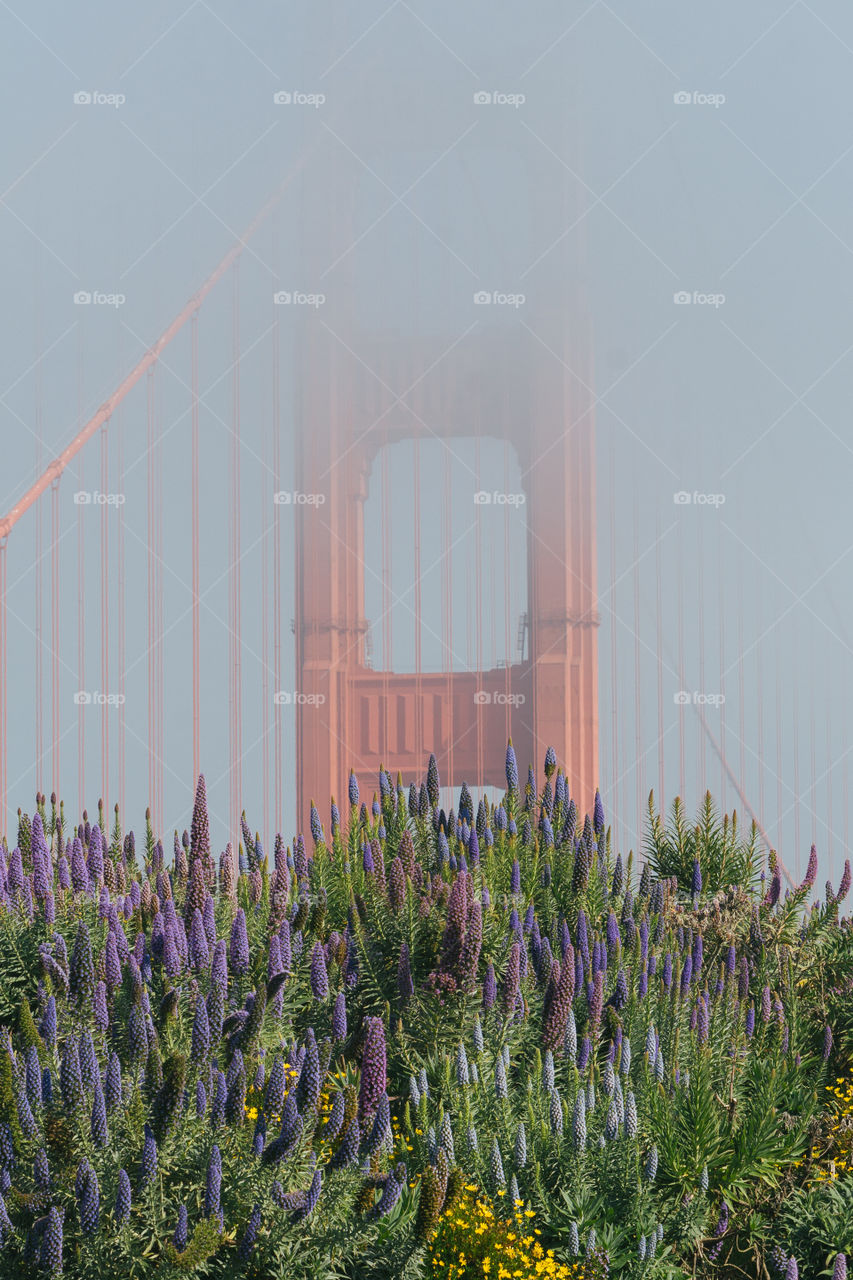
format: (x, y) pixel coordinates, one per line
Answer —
(205, 1052)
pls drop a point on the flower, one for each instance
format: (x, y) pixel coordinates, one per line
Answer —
(123, 1197)
(51, 1243)
(179, 1239)
(373, 1068)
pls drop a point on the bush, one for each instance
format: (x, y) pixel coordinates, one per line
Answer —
(431, 1040)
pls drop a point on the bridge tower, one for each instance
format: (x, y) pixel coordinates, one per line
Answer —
(526, 381)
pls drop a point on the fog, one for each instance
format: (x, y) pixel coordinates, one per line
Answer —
(659, 200)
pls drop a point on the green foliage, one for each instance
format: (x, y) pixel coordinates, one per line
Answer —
(720, 999)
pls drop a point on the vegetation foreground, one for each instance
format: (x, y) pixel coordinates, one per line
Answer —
(461, 1044)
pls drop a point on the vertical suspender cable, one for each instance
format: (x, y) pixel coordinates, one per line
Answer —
(266, 525)
(122, 623)
(759, 693)
(276, 466)
(81, 608)
(638, 745)
(54, 632)
(812, 740)
(236, 750)
(4, 688)
(681, 667)
(796, 742)
(740, 673)
(151, 592)
(659, 620)
(779, 833)
(195, 549)
(724, 772)
(419, 718)
(478, 607)
(702, 775)
(614, 668)
(104, 636)
(829, 764)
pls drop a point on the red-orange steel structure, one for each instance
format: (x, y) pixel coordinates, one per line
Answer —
(346, 711)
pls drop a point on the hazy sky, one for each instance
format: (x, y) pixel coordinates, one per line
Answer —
(627, 156)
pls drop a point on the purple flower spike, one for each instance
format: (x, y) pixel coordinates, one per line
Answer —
(811, 870)
(88, 1198)
(214, 1183)
(319, 973)
(839, 1271)
(250, 1235)
(201, 1031)
(373, 1068)
(696, 881)
(511, 770)
(198, 945)
(100, 1134)
(81, 973)
(51, 1242)
(70, 1078)
(179, 1239)
(200, 826)
(123, 1198)
(238, 956)
(339, 1017)
(148, 1164)
(490, 987)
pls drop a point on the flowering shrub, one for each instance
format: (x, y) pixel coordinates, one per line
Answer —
(478, 1237)
(475, 1042)
(835, 1158)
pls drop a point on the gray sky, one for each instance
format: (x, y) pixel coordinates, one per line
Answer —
(601, 184)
